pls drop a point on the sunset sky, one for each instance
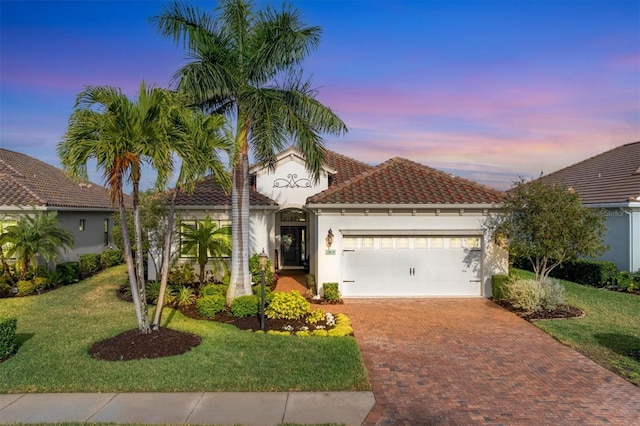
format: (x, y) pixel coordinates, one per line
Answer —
(486, 90)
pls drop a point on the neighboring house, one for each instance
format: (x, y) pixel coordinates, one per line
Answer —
(399, 229)
(611, 181)
(82, 208)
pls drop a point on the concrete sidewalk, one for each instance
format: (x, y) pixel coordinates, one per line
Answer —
(232, 408)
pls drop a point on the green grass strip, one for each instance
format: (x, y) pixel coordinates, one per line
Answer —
(609, 331)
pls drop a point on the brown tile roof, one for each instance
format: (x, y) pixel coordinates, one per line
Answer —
(25, 181)
(208, 193)
(401, 181)
(345, 167)
(610, 177)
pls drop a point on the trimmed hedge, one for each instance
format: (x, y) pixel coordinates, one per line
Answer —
(499, 286)
(69, 272)
(331, 292)
(90, 264)
(111, 257)
(209, 306)
(596, 273)
(8, 344)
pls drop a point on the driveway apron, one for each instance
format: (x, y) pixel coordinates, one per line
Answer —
(468, 361)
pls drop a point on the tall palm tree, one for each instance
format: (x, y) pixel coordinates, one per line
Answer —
(246, 64)
(209, 241)
(121, 135)
(36, 235)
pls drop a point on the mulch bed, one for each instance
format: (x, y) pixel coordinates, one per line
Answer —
(564, 311)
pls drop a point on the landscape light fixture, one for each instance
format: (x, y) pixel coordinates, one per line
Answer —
(263, 264)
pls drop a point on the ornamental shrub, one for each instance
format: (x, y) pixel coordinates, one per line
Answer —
(182, 274)
(5, 289)
(42, 283)
(209, 306)
(90, 264)
(8, 343)
(316, 316)
(185, 296)
(69, 272)
(525, 294)
(331, 292)
(291, 305)
(257, 290)
(256, 272)
(311, 283)
(213, 289)
(628, 281)
(322, 333)
(25, 287)
(552, 294)
(245, 306)
(499, 286)
(111, 257)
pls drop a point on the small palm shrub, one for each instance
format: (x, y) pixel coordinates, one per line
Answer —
(291, 305)
(213, 289)
(111, 257)
(245, 306)
(185, 296)
(152, 291)
(331, 292)
(209, 306)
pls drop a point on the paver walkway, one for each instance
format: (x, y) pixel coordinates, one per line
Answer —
(468, 361)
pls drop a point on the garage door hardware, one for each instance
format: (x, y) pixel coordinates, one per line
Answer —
(412, 271)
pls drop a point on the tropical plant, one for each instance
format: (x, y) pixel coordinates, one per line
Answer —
(36, 234)
(246, 64)
(209, 241)
(121, 135)
(547, 224)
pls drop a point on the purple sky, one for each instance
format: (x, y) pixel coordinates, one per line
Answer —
(487, 90)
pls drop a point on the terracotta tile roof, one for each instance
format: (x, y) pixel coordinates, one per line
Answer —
(346, 167)
(26, 181)
(208, 193)
(401, 181)
(610, 177)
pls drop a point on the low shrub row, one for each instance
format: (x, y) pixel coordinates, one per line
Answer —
(8, 343)
(596, 273)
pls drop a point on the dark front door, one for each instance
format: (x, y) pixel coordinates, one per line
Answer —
(293, 245)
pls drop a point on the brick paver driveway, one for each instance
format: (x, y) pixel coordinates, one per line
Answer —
(468, 361)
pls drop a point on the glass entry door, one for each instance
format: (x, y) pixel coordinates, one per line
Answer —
(293, 245)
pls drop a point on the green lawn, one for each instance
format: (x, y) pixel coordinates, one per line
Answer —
(609, 331)
(56, 329)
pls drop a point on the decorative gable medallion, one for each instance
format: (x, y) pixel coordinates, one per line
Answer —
(292, 181)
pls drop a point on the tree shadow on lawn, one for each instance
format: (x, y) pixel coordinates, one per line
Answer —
(622, 344)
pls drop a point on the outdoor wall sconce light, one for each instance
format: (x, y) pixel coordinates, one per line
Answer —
(329, 238)
(263, 264)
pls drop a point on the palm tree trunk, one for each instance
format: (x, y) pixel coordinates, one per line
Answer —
(240, 284)
(144, 325)
(166, 259)
(129, 261)
(5, 265)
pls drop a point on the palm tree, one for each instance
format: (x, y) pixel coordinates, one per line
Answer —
(199, 156)
(121, 135)
(245, 65)
(209, 240)
(34, 235)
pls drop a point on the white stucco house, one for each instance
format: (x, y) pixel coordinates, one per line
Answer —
(399, 229)
(610, 181)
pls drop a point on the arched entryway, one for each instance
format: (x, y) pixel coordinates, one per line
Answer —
(293, 237)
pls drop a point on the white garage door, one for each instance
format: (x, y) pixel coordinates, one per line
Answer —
(399, 266)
